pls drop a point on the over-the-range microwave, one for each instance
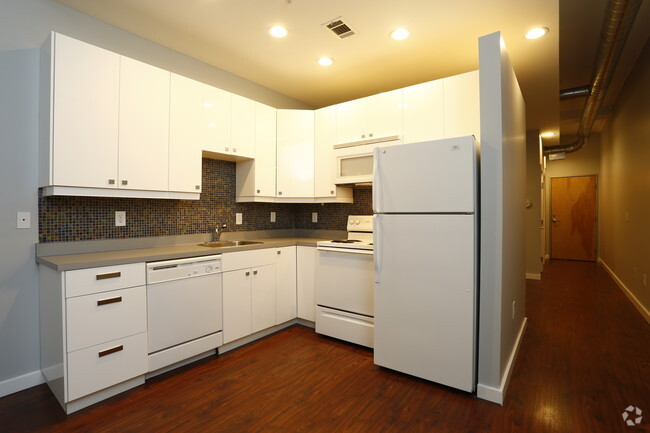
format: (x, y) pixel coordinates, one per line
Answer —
(354, 162)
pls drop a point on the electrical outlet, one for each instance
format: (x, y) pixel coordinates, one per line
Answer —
(239, 218)
(314, 217)
(120, 218)
(513, 309)
(23, 220)
(272, 217)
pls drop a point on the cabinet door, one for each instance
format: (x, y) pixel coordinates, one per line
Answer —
(295, 154)
(306, 282)
(324, 161)
(185, 127)
(242, 124)
(351, 121)
(423, 112)
(265, 158)
(263, 297)
(85, 114)
(237, 302)
(285, 284)
(384, 114)
(462, 105)
(144, 126)
(215, 119)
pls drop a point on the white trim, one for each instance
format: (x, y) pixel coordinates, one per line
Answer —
(114, 192)
(20, 383)
(633, 299)
(497, 395)
(533, 276)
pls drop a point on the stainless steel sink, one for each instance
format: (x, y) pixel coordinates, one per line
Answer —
(221, 244)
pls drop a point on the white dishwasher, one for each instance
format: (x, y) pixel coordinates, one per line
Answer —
(184, 309)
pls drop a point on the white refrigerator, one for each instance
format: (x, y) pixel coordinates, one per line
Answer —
(426, 259)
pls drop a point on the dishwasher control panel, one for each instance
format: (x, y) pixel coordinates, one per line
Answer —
(170, 270)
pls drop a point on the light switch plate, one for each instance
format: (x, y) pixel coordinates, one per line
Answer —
(120, 218)
(272, 217)
(24, 220)
(314, 217)
(239, 218)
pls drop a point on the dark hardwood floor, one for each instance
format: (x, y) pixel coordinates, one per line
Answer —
(585, 357)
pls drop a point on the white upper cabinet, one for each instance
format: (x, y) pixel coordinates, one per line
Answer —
(144, 126)
(462, 105)
(324, 161)
(372, 118)
(185, 134)
(424, 112)
(242, 126)
(256, 177)
(80, 85)
(215, 120)
(295, 154)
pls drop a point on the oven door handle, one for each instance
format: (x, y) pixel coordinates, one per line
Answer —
(345, 250)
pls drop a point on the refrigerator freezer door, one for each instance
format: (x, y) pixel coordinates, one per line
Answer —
(428, 177)
(425, 296)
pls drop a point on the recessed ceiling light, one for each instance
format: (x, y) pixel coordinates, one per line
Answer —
(537, 33)
(399, 34)
(278, 31)
(548, 134)
(325, 61)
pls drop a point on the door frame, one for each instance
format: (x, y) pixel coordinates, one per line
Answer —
(597, 216)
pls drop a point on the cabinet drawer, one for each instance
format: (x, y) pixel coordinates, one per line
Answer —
(106, 316)
(104, 365)
(248, 259)
(95, 280)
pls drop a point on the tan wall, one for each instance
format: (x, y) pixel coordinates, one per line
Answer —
(584, 162)
(625, 184)
(533, 205)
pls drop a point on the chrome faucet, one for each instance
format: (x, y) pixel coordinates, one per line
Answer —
(216, 234)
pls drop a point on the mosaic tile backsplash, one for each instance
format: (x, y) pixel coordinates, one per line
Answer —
(66, 219)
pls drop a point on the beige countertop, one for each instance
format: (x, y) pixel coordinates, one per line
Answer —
(67, 262)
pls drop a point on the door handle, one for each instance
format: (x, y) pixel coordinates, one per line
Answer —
(555, 220)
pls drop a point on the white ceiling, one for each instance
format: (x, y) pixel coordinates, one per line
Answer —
(232, 35)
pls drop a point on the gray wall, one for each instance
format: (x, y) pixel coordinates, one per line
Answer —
(503, 180)
(24, 25)
(625, 186)
(534, 206)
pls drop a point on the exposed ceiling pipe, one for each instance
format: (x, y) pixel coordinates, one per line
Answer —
(619, 18)
(575, 92)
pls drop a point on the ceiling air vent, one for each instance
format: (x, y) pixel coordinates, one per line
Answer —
(339, 28)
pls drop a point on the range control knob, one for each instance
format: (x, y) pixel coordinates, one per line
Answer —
(209, 269)
(357, 222)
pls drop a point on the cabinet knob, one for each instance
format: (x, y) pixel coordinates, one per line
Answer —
(234, 149)
(370, 135)
(227, 149)
(258, 191)
(254, 272)
(279, 192)
(363, 135)
(332, 192)
(111, 181)
(279, 252)
(247, 273)
(197, 187)
(125, 182)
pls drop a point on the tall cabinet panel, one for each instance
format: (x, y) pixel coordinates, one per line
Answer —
(295, 154)
(144, 126)
(185, 133)
(216, 120)
(84, 104)
(324, 159)
(242, 133)
(424, 112)
(462, 105)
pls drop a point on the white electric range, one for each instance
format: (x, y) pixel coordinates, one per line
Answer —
(345, 284)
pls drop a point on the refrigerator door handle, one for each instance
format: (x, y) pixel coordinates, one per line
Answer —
(376, 196)
(375, 240)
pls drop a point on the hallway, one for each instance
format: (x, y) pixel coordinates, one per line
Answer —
(585, 357)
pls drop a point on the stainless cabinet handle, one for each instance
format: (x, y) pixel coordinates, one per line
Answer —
(363, 135)
(370, 135)
(227, 149)
(254, 272)
(108, 276)
(125, 182)
(234, 149)
(247, 273)
(279, 252)
(197, 187)
(279, 192)
(332, 192)
(111, 181)
(258, 191)
(109, 301)
(111, 350)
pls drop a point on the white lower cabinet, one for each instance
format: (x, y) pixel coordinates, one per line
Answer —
(93, 332)
(237, 305)
(306, 282)
(263, 297)
(285, 284)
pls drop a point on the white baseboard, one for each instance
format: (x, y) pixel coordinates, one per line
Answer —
(19, 383)
(633, 299)
(497, 395)
(533, 276)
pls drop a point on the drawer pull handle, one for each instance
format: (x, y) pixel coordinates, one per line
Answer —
(109, 301)
(111, 350)
(254, 272)
(110, 275)
(248, 274)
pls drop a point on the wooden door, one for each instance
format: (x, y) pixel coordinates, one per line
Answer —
(573, 218)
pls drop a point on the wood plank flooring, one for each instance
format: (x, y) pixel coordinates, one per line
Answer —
(585, 357)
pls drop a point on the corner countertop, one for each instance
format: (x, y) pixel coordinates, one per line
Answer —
(83, 260)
